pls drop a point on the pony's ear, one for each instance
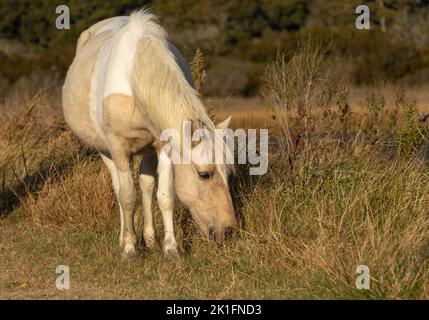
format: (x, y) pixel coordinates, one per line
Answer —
(225, 124)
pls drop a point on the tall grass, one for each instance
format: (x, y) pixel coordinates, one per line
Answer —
(351, 200)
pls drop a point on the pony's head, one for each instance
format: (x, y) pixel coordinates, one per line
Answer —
(202, 186)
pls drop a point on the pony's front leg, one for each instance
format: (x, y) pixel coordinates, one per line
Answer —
(147, 175)
(165, 196)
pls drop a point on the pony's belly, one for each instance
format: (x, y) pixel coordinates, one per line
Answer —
(76, 114)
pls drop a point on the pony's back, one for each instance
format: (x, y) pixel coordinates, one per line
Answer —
(133, 57)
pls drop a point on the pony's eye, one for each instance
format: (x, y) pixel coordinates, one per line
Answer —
(204, 175)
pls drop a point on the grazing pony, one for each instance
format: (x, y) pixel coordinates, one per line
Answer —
(126, 85)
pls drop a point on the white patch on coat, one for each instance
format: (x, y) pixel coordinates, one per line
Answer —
(115, 62)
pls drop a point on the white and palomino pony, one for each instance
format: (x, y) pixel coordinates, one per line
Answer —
(126, 85)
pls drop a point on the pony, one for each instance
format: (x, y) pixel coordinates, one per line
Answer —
(126, 85)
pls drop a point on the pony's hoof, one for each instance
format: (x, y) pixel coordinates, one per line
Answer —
(129, 255)
(172, 255)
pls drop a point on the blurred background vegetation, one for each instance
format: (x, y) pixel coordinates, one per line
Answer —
(237, 38)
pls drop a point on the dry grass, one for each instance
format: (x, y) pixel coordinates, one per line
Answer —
(352, 199)
(67, 201)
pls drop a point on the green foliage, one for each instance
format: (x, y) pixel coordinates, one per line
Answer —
(284, 14)
(33, 22)
(235, 23)
(248, 32)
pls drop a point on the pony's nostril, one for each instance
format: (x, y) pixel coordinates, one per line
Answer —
(229, 232)
(211, 232)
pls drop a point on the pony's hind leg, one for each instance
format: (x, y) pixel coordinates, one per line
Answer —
(165, 196)
(127, 199)
(147, 174)
(115, 182)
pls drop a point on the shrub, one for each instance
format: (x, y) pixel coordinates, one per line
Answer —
(308, 80)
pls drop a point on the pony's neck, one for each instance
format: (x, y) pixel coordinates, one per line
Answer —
(160, 85)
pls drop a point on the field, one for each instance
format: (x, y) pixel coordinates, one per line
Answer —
(353, 192)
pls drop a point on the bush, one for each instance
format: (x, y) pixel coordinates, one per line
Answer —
(308, 80)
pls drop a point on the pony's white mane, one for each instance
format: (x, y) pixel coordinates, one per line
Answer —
(160, 86)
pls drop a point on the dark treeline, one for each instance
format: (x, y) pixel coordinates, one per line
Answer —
(236, 37)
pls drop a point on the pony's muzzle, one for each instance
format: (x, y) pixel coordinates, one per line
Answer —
(224, 234)
(229, 233)
(211, 232)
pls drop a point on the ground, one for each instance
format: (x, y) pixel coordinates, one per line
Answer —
(351, 195)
